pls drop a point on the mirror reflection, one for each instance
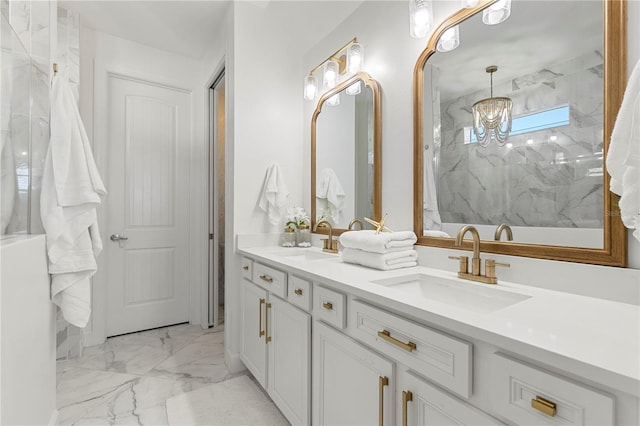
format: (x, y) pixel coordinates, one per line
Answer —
(344, 163)
(548, 173)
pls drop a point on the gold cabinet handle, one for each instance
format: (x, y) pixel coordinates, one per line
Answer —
(406, 397)
(327, 305)
(382, 382)
(543, 405)
(266, 278)
(298, 291)
(245, 267)
(260, 330)
(386, 335)
(267, 338)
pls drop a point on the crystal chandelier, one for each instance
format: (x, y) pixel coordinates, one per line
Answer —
(492, 117)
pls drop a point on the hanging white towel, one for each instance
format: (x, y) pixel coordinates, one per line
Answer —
(274, 193)
(330, 194)
(71, 190)
(384, 242)
(623, 157)
(383, 261)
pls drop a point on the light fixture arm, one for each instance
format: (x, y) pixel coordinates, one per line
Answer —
(335, 57)
(491, 69)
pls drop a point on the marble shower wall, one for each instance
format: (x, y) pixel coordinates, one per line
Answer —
(547, 178)
(26, 51)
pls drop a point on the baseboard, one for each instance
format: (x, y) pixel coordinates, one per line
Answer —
(234, 364)
(54, 418)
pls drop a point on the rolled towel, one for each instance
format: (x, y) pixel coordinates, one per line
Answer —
(382, 261)
(384, 242)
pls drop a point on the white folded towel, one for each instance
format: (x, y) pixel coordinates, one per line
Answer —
(330, 192)
(274, 193)
(623, 157)
(71, 190)
(432, 233)
(384, 242)
(382, 261)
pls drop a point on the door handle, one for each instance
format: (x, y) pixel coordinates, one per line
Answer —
(117, 237)
(382, 382)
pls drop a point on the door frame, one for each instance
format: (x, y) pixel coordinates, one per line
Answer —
(219, 69)
(103, 68)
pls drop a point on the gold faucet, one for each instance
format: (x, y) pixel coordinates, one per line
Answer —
(353, 222)
(490, 264)
(330, 245)
(507, 229)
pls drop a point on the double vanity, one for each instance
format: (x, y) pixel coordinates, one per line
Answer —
(334, 343)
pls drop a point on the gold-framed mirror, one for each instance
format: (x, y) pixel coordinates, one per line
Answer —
(548, 182)
(346, 154)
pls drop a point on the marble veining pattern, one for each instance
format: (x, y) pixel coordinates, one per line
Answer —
(127, 379)
(547, 178)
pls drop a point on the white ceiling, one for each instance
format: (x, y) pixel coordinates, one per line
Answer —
(186, 27)
(537, 34)
(189, 27)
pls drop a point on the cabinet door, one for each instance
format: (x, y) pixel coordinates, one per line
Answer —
(289, 359)
(425, 405)
(351, 384)
(253, 351)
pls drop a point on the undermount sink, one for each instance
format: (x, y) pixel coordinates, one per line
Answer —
(470, 296)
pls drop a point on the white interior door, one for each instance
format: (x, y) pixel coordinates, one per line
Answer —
(149, 138)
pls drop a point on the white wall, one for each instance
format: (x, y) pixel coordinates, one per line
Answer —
(390, 55)
(28, 337)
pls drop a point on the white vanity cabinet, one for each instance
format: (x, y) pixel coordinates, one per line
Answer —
(352, 385)
(379, 360)
(423, 404)
(276, 343)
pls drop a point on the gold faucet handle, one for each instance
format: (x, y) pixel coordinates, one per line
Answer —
(490, 267)
(464, 263)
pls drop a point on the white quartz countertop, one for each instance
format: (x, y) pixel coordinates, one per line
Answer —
(592, 338)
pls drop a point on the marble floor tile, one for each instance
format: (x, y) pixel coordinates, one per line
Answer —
(237, 401)
(202, 360)
(128, 379)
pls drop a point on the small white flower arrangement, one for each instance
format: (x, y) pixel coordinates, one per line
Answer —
(297, 217)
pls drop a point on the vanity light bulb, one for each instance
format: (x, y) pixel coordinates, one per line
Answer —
(310, 87)
(449, 40)
(355, 58)
(334, 100)
(420, 17)
(497, 13)
(354, 89)
(469, 3)
(330, 75)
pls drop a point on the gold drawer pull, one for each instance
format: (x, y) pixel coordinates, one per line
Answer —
(245, 267)
(298, 291)
(543, 405)
(267, 338)
(410, 346)
(266, 278)
(382, 382)
(327, 305)
(407, 396)
(260, 330)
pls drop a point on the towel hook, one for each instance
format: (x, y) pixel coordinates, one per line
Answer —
(55, 68)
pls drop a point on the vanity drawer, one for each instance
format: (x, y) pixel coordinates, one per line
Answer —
(527, 395)
(299, 293)
(246, 268)
(443, 359)
(330, 306)
(270, 279)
